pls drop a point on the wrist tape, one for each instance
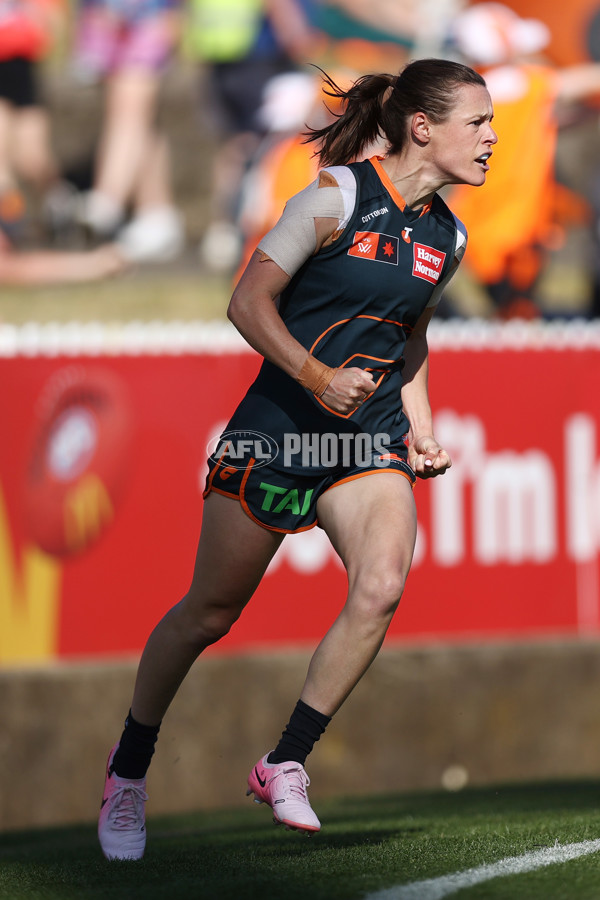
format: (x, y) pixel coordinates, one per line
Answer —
(315, 376)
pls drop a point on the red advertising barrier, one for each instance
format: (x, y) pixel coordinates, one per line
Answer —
(103, 460)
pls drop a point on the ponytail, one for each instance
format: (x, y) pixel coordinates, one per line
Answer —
(358, 126)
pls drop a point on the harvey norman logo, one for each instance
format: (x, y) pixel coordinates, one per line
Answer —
(427, 262)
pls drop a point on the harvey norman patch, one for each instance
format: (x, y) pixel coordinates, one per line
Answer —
(375, 246)
(427, 262)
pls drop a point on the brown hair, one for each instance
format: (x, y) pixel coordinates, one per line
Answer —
(380, 106)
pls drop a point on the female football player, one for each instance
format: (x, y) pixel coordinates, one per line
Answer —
(337, 299)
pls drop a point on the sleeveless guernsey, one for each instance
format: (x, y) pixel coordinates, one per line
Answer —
(353, 304)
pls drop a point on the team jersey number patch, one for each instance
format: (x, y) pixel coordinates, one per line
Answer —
(375, 246)
(427, 262)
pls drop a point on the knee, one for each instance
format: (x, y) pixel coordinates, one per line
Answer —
(379, 591)
(205, 624)
(32, 165)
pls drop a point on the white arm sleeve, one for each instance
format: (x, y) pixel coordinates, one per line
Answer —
(459, 251)
(293, 239)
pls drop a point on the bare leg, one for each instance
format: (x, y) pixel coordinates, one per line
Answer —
(153, 187)
(32, 148)
(7, 118)
(371, 522)
(128, 130)
(233, 554)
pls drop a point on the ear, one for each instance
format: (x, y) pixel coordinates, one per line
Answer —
(421, 128)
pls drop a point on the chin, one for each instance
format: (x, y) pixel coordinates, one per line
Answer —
(477, 180)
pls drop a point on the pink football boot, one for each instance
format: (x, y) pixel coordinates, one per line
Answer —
(283, 787)
(121, 827)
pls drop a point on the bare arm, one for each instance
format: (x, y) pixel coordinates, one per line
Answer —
(291, 27)
(399, 17)
(253, 311)
(578, 82)
(425, 455)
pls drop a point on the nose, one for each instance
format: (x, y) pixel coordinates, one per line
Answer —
(493, 137)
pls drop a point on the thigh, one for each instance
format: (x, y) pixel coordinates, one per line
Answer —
(233, 554)
(32, 144)
(371, 522)
(7, 123)
(131, 97)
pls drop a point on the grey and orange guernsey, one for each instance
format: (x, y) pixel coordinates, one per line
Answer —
(354, 303)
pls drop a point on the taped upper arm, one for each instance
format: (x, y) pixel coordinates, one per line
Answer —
(293, 239)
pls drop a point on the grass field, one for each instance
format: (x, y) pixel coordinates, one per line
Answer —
(181, 290)
(367, 845)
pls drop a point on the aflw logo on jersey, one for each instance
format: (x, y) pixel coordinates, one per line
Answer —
(371, 245)
(427, 262)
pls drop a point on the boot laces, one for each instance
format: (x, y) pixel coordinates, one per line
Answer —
(296, 781)
(127, 806)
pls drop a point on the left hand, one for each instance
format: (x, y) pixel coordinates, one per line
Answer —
(427, 458)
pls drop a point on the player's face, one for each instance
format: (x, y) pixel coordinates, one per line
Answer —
(461, 146)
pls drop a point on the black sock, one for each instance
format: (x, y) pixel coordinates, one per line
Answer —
(302, 731)
(135, 750)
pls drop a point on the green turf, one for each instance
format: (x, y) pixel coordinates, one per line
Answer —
(177, 291)
(366, 844)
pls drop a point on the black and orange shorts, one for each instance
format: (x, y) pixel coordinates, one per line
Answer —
(285, 499)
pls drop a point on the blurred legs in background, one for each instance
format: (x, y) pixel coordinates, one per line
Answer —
(26, 156)
(131, 198)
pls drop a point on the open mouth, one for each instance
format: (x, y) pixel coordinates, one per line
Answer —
(482, 160)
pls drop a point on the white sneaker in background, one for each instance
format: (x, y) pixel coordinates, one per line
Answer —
(154, 236)
(221, 247)
(99, 214)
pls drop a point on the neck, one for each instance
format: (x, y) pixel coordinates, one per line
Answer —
(411, 180)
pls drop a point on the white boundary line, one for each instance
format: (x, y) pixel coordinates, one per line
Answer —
(176, 338)
(436, 888)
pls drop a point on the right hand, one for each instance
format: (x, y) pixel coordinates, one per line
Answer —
(348, 389)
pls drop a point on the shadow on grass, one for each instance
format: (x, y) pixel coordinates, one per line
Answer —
(367, 842)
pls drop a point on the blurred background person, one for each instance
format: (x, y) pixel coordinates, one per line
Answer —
(364, 36)
(44, 267)
(127, 45)
(240, 46)
(521, 215)
(28, 31)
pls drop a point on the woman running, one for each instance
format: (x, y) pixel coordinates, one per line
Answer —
(337, 299)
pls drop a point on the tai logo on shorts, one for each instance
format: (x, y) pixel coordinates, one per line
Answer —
(427, 262)
(279, 499)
